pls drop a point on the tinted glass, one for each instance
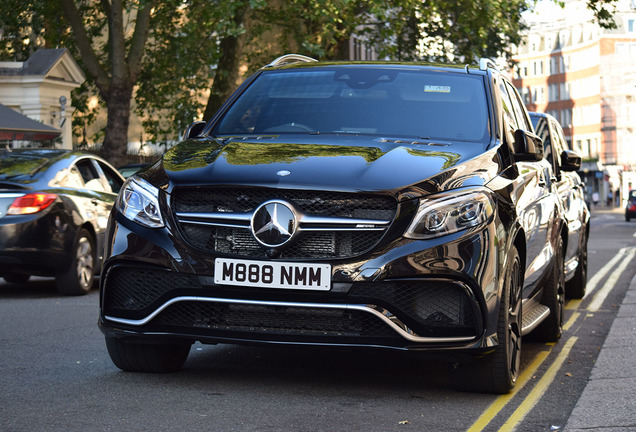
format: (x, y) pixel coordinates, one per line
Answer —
(376, 101)
(18, 165)
(89, 175)
(114, 181)
(517, 104)
(506, 104)
(543, 131)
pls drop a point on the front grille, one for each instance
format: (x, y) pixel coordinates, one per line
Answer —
(430, 308)
(319, 203)
(274, 320)
(239, 241)
(323, 244)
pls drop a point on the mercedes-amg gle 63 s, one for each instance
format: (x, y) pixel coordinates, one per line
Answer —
(379, 205)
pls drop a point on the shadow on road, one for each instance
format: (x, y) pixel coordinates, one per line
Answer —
(36, 287)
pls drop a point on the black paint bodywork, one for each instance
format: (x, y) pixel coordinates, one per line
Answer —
(526, 215)
(42, 243)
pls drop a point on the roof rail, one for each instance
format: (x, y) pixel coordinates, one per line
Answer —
(484, 63)
(291, 58)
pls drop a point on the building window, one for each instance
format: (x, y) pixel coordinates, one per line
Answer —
(564, 91)
(538, 94)
(566, 117)
(553, 92)
(630, 26)
(554, 65)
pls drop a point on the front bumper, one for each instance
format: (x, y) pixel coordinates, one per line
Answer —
(416, 295)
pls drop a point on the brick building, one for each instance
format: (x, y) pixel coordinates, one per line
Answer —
(584, 76)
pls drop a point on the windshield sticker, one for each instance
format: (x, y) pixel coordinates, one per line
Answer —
(437, 89)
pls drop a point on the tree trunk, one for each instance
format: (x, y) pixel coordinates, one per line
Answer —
(227, 70)
(115, 145)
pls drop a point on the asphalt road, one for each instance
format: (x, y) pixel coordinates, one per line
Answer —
(55, 373)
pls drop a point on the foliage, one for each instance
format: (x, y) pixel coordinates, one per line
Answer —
(178, 65)
(190, 42)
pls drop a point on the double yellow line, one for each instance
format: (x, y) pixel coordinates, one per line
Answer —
(621, 260)
(535, 394)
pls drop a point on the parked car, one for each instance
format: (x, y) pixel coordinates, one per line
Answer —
(54, 207)
(630, 208)
(571, 191)
(383, 205)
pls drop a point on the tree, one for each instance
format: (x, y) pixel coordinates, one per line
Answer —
(116, 76)
(164, 53)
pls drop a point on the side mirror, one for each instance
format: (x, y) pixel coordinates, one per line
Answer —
(570, 160)
(194, 130)
(528, 146)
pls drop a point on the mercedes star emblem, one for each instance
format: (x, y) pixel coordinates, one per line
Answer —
(274, 223)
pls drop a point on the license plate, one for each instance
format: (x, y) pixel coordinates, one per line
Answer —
(267, 274)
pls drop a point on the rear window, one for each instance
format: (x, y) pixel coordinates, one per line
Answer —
(358, 100)
(19, 165)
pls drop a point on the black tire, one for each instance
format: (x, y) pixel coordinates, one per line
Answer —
(17, 278)
(79, 278)
(551, 329)
(498, 371)
(575, 288)
(137, 357)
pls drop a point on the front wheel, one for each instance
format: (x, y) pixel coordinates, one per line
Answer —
(78, 279)
(498, 371)
(138, 357)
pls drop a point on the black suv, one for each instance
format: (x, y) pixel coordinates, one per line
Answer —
(382, 205)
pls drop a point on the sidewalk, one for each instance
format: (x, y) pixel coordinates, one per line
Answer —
(608, 402)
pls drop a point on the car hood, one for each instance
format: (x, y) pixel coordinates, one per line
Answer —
(353, 163)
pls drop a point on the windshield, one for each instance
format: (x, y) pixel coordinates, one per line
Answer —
(359, 100)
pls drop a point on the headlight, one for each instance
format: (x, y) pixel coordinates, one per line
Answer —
(449, 213)
(139, 202)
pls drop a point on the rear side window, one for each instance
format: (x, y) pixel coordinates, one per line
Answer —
(359, 100)
(542, 130)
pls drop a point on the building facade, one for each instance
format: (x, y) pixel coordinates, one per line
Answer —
(585, 76)
(40, 89)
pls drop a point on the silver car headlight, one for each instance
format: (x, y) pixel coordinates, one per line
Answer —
(139, 202)
(450, 213)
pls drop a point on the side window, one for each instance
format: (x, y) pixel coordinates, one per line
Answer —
(520, 112)
(113, 179)
(89, 175)
(542, 130)
(73, 179)
(559, 138)
(506, 104)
